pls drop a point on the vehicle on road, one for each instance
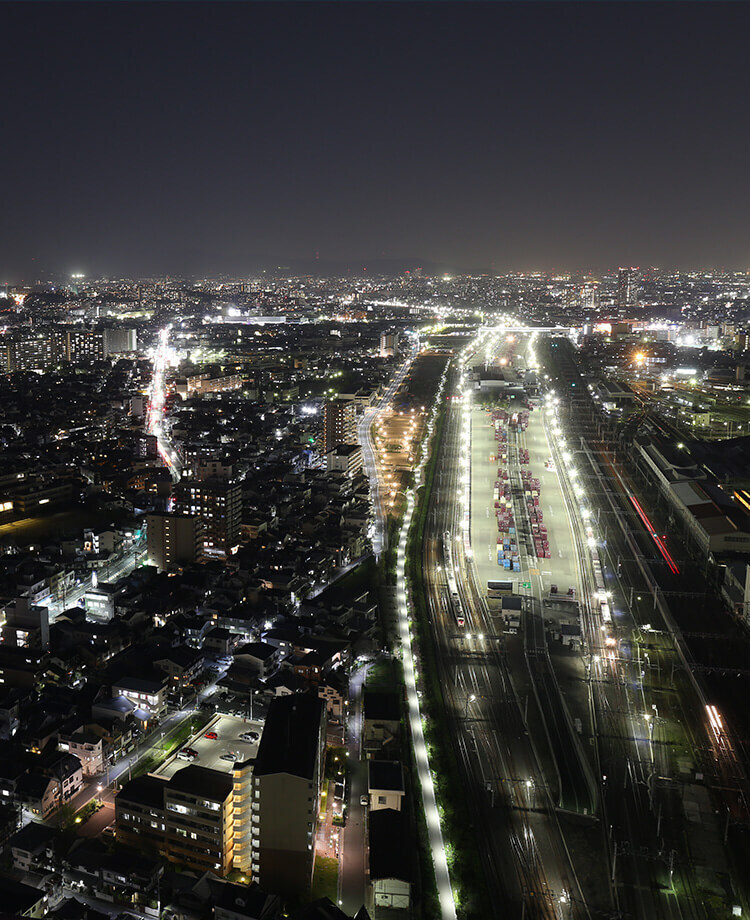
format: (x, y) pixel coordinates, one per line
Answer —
(458, 611)
(499, 588)
(364, 800)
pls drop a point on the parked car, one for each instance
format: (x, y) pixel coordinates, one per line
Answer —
(188, 754)
(212, 736)
(228, 757)
(249, 736)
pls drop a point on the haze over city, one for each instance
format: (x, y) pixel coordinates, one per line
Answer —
(172, 138)
(374, 461)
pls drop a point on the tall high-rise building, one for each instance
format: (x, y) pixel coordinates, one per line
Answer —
(219, 504)
(40, 348)
(85, 343)
(173, 540)
(286, 780)
(590, 295)
(628, 281)
(388, 344)
(118, 339)
(339, 423)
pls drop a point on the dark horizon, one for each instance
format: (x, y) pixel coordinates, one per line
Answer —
(195, 139)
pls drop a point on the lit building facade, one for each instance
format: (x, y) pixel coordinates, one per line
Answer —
(173, 540)
(219, 505)
(339, 423)
(628, 281)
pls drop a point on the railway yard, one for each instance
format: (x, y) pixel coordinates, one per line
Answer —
(578, 758)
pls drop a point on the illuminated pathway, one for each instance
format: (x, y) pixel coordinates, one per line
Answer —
(442, 878)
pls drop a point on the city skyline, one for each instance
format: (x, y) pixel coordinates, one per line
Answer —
(150, 139)
(374, 451)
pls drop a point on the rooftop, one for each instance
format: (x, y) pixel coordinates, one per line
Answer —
(146, 790)
(195, 780)
(290, 742)
(386, 775)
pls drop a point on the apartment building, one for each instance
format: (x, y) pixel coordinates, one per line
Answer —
(199, 818)
(189, 818)
(286, 794)
(339, 423)
(173, 540)
(219, 505)
(345, 458)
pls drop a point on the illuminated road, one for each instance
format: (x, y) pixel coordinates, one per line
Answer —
(157, 398)
(109, 573)
(432, 817)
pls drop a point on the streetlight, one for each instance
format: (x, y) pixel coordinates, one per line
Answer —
(469, 699)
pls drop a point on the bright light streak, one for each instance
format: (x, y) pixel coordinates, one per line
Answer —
(714, 717)
(654, 536)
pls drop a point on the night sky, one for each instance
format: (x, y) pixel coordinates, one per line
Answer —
(191, 138)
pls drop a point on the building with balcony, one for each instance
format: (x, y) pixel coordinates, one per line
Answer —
(339, 424)
(286, 793)
(199, 818)
(188, 818)
(219, 505)
(345, 458)
(88, 747)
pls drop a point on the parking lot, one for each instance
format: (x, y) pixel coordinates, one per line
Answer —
(228, 730)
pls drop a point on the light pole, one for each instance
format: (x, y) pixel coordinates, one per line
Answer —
(469, 699)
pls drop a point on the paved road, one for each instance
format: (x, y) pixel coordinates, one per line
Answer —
(109, 573)
(353, 866)
(118, 773)
(157, 395)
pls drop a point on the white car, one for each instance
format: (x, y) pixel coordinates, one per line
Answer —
(249, 736)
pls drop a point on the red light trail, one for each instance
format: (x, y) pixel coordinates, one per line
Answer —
(655, 536)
